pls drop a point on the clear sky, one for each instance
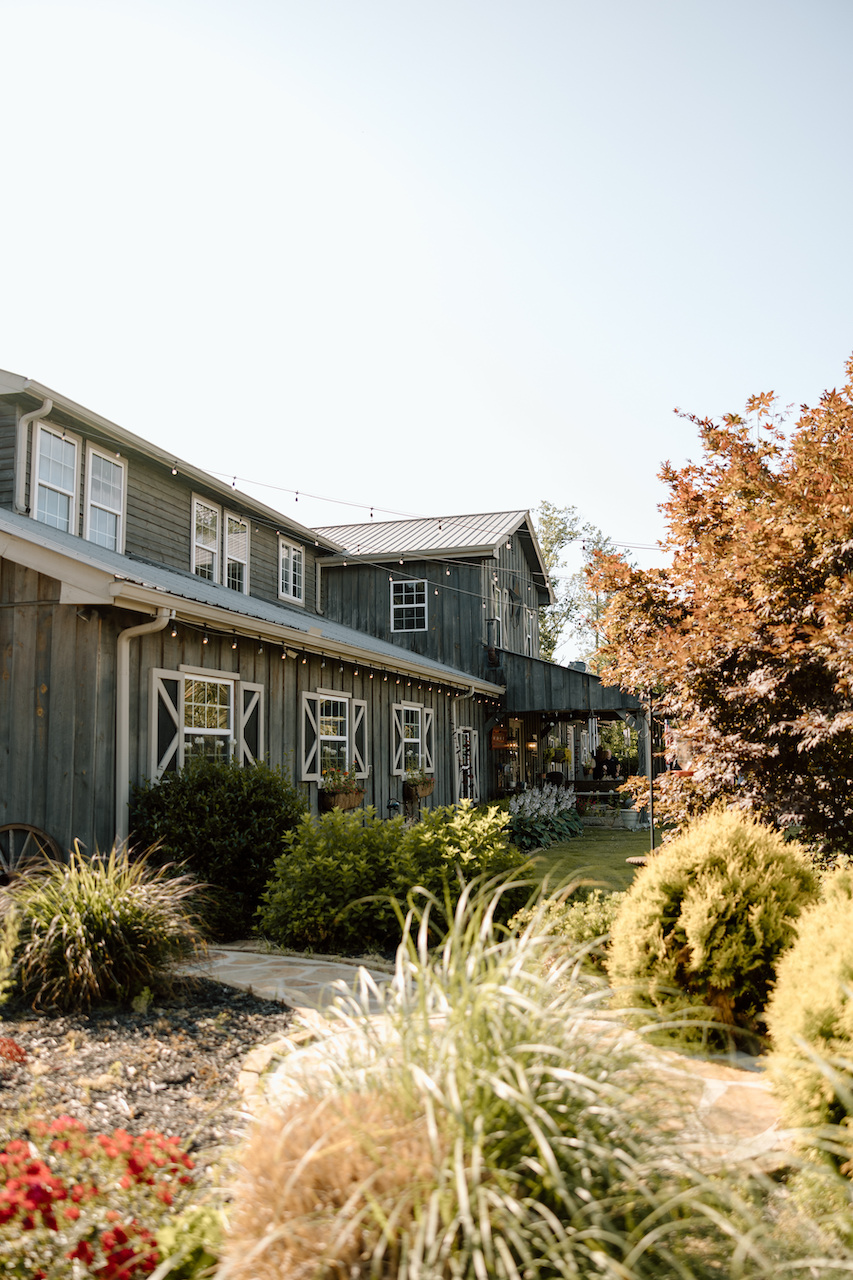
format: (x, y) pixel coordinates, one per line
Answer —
(431, 257)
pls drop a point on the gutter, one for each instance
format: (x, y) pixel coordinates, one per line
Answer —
(122, 778)
(21, 454)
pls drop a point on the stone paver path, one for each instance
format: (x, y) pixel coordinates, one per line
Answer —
(724, 1101)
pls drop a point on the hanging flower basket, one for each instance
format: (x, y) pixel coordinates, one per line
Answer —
(418, 790)
(339, 799)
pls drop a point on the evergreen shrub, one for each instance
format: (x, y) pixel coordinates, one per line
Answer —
(582, 922)
(340, 882)
(704, 923)
(810, 1015)
(224, 822)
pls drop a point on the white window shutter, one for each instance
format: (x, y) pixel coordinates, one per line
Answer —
(310, 755)
(359, 738)
(166, 722)
(426, 739)
(250, 722)
(475, 765)
(397, 739)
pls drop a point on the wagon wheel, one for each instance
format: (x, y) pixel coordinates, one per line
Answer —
(20, 842)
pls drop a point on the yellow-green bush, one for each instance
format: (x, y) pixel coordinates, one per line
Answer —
(810, 1015)
(705, 922)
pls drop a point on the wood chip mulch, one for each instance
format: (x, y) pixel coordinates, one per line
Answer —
(172, 1068)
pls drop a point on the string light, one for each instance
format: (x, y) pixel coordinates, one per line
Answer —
(174, 632)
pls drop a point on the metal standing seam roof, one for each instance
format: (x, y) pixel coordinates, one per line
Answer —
(426, 533)
(177, 584)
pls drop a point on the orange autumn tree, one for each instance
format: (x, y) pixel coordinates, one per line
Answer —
(747, 636)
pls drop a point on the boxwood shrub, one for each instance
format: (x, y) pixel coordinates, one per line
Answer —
(334, 887)
(810, 1015)
(225, 823)
(704, 923)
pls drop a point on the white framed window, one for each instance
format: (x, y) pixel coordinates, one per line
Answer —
(106, 499)
(202, 714)
(236, 552)
(409, 605)
(207, 520)
(334, 734)
(291, 571)
(55, 478)
(411, 737)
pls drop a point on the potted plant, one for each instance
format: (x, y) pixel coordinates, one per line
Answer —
(340, 789)
(417, 783)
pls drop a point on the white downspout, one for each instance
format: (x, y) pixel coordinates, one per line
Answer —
(21, 454)
(123, 714)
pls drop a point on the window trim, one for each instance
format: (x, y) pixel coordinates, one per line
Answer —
(93, 450)
(212, 506)
(247, 716)
(69, 437)
(244, 520)
(290, 547)
(408, 582)
(309, 750)
(426, 755)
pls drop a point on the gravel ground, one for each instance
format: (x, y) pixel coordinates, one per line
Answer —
(173, 1068)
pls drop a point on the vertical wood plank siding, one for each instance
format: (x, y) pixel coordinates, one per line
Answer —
(56, 712)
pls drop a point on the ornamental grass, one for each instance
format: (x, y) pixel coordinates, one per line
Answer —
(492, 1120)
(99, 930)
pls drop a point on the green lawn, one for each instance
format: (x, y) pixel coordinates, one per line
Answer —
(598, 855)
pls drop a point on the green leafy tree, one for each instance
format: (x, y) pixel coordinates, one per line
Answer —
(747, 632)
(576, 615)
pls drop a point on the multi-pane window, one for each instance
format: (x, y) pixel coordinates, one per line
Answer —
(408, 606)
(333, 733)
(56, 480)
(105, 487)
(206, 540)
(236, 552)
(208, 719)
(411, 727)
(291, 564)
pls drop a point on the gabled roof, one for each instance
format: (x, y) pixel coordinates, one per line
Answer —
(440, 537)
(13, 384)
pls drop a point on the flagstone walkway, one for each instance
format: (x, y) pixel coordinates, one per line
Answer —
(726, 1102)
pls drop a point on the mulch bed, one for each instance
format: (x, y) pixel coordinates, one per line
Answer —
(172, 1068)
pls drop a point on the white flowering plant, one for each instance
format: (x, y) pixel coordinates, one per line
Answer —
(543, 816)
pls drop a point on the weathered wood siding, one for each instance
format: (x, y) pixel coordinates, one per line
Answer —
(57, 694)
(360, 597)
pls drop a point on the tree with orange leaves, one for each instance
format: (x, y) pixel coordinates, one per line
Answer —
(747, 636)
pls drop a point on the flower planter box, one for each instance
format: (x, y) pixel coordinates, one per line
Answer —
(418, 790)
(339, 799)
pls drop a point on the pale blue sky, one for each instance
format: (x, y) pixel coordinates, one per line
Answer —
(434, 257)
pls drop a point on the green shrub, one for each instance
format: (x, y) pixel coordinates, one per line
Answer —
(225, 823)
(100, 931)
(335, 886)
(704, 923)
(331, 864)
(582, 922)
(491, 1124)
(810, 1015)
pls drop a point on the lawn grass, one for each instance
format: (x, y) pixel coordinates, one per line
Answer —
(598, 855)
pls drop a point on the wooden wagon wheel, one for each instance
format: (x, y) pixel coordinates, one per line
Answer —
(21, 841)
